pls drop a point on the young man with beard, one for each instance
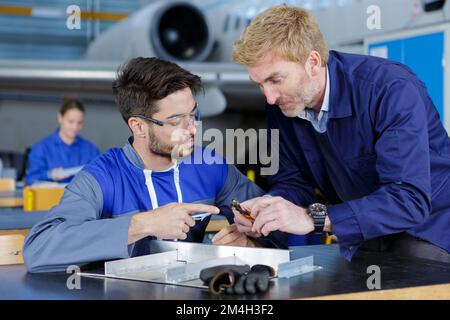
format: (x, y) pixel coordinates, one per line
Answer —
(148, 189)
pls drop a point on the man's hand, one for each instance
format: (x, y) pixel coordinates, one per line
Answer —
(57, 174)
(328, 227)
(243, 224)
(171, 221)
(276, 213)
(230, 236)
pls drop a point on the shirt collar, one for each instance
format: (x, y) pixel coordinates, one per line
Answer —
(326, 98)
(132, 155)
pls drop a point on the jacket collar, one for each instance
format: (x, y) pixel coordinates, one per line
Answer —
(132, 155)
(340, 102)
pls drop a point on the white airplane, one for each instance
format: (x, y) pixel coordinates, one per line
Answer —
(198, 35)
(173, 30)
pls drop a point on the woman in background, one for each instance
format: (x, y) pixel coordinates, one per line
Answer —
(59, 156)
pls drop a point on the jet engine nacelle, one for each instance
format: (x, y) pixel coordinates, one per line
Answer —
(170, 30)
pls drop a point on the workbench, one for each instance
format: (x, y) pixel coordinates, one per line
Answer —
(12, 198)
(338, 276)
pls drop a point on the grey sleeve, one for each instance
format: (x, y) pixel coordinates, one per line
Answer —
(238, 186)
(73, 233)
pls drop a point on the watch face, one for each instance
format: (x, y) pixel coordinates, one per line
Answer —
(318, 209)
(320, 213)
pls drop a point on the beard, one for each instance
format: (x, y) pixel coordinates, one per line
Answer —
(303, 100)
(176, 150)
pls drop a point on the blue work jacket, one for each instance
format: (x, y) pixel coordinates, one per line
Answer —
(386, 133)
(51, 152)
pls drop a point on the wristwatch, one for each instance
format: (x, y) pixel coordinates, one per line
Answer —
(318, 212)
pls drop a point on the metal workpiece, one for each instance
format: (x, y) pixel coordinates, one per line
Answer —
(180, 263)
(191, 271)
(141, 264)
(196, 252)
(297, 267)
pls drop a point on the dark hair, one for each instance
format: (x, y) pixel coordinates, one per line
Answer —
(143, 81)
(70, 103)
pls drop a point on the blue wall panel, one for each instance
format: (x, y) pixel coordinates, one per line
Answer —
(424, 55)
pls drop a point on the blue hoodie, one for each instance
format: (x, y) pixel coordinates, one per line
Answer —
(92, 220)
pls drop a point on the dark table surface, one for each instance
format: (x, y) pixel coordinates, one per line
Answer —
(337, 276)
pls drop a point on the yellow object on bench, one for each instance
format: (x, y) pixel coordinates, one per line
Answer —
(41, 198)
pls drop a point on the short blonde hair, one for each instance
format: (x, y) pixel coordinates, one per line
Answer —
(289, 32)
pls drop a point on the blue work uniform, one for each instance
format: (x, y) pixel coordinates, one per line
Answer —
(52, 152)
(382, 159)
(92, 220)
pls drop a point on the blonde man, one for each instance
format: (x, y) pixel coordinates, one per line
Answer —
(361, 129)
